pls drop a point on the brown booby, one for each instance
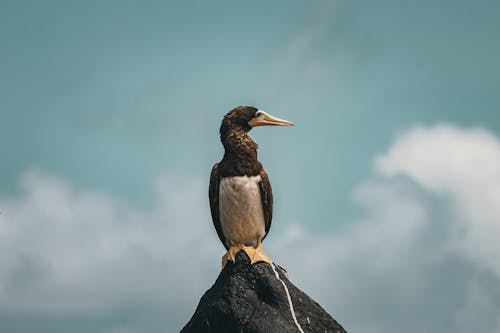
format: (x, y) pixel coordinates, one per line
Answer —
(241, 199)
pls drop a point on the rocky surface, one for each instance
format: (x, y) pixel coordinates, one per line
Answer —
(252, 299)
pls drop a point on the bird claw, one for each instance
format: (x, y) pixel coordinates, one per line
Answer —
(255, 254)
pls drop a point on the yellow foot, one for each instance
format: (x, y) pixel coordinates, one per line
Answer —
(255, 254)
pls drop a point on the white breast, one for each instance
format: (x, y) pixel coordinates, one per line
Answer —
(240, 210)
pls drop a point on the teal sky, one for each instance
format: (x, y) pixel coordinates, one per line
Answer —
(111, 96)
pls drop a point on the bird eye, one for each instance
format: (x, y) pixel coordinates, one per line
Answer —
(259, 114)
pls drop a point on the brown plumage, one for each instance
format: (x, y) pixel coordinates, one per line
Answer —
(240, 159)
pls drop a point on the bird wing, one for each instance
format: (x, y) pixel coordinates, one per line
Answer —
(266, 195)
(213, 196)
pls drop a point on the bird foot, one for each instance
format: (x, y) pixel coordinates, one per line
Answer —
(255, 254)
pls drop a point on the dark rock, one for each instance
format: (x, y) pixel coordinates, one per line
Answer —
(251, 299)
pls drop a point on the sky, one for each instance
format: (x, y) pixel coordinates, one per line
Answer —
(386, 189)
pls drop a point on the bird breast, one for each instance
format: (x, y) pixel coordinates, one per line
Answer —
(240, 210)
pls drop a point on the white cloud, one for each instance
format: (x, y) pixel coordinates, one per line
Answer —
(445, 158)
(421, 253)
(68, 251)
(464, 164)
(424, 250)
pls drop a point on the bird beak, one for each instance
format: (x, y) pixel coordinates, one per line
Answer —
(265, 119)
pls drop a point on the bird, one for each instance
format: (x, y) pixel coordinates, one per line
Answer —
(240, 194)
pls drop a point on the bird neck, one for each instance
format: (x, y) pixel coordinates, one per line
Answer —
(237, 142)
(240, 153)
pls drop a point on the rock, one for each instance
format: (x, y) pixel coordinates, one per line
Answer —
(251, 299)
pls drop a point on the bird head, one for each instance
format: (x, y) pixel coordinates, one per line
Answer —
(247, 117)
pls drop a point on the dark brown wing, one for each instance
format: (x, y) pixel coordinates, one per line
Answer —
(266, 195)
(213, 196)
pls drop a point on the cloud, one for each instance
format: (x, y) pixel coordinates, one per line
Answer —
(465, 165)
(297, 69)
(302, 47)
(66, 251)
(420, 255)
(424, 250)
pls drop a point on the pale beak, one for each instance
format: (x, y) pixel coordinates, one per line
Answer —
(265, 119)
